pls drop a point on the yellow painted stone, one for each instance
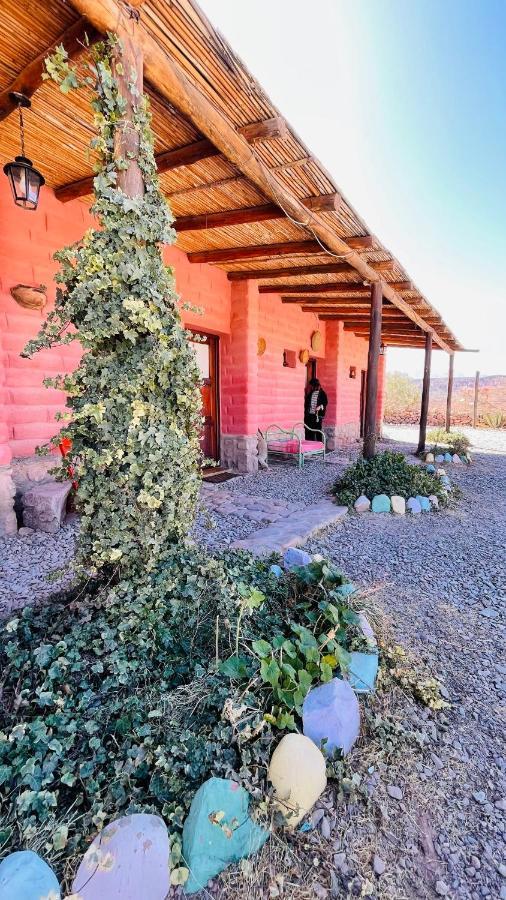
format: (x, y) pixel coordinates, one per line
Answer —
(297, 773)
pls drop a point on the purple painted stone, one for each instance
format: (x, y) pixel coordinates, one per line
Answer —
(128, 860)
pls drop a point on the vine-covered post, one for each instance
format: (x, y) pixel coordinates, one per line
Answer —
(127, 67)
(424, 410)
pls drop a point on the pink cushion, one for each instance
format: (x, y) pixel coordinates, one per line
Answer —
(293, 446)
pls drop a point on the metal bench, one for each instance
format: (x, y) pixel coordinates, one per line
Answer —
(291, 443)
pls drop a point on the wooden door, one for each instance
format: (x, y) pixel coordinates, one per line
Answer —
(206, 352)
(363, 385)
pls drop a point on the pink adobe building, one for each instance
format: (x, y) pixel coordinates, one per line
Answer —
(243, 392)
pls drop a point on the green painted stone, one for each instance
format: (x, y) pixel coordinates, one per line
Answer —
(218, 831)
(381, 503)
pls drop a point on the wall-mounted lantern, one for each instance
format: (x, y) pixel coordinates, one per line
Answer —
(353, 371)
(25, 180)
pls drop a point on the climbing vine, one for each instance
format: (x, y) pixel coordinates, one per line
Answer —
(134, 399)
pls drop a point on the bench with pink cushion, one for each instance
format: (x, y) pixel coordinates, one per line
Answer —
(292, 443)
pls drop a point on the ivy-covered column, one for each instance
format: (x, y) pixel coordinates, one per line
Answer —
(239, 382)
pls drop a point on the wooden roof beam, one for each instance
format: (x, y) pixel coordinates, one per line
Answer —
(269, 130)
(229, 217)
(331, 287)
(166, 160)
(324, 203)
(323, 269)
(310, 300)
(30, 78)
(401, 285)
(164, 72)
(232, 254)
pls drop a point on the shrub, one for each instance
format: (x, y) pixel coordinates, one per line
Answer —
(494, 420)
(451, 441)
(386, 473)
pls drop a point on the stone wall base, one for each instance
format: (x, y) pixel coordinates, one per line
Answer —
(8, 520)
(339, 436)
(239, 452)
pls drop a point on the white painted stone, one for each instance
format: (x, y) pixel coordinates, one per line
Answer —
(434, 502)
(297, 773)
(429, 458)
(441, 472)
(366, 629)
(362, 504)
(398, 505)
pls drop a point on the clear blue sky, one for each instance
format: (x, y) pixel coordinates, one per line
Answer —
(404, 101)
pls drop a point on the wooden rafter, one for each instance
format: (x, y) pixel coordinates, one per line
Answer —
(166, 160)
(269, 130)
(324, 203)
(30, 78)
(361, 242)
(229, 217)
(323, 269)
(334, 287)
(232, 254)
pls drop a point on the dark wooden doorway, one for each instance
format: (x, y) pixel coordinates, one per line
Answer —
(310, 370)
(363, 386)
(206, 352)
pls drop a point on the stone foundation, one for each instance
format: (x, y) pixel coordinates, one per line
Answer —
(239, 452)
(8, 520)
(339, 436)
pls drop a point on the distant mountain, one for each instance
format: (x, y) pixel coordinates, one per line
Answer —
(438, 386)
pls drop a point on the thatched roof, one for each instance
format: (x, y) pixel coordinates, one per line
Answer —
(235, 153)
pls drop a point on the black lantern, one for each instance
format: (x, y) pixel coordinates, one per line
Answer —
(24, 179)
(382, 349)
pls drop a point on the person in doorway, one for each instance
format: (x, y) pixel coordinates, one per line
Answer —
(315, 407)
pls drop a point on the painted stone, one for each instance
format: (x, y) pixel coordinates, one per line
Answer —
(431, 470)
(424, 503)
(294, 557)
(366, 629)
(381, 503)
(363, 671)
(217, 832)
(414, 506)
(297, 773)
(398, 505)
(447, 458)
(44, 506)
(434, 502)
(129, 859)
(440, 458)
(345, 590)
(469, 457)
(441, 472)
(331, 716)
(464, 459)
(276, 570)
(25, 876)
(429, 457)
(445, 481)
(362, 504)
(456, 459)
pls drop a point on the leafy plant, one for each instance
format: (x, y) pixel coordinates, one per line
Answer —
(448, 441)
(134, 399)
(386, 473)
(494, 420)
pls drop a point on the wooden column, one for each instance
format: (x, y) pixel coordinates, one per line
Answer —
(371, 397)
(425, 392)
(128, 70)
(476, 393)
(449, 394)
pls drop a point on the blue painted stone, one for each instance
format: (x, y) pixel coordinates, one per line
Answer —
(294, 557)
(447, 457)
(445, 481)
(431, 469)
(381, 503)
(464, 459)
(424, 503)
(218, 831)
(344, 590)
(128, 859)
(363, 671)
(25, 876)
(331, 716)
(276, 570)
(440, 458)
(414, 506)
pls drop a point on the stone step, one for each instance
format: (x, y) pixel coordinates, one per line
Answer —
(293, 530)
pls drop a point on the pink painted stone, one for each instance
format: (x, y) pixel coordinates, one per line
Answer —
(128, 860)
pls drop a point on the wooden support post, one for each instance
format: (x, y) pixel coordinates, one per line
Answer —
(128, 68)
(425, 392)
(449, 394)
(475, 405)
(371, 399)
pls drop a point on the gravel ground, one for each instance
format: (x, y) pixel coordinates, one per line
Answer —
(443, 580)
